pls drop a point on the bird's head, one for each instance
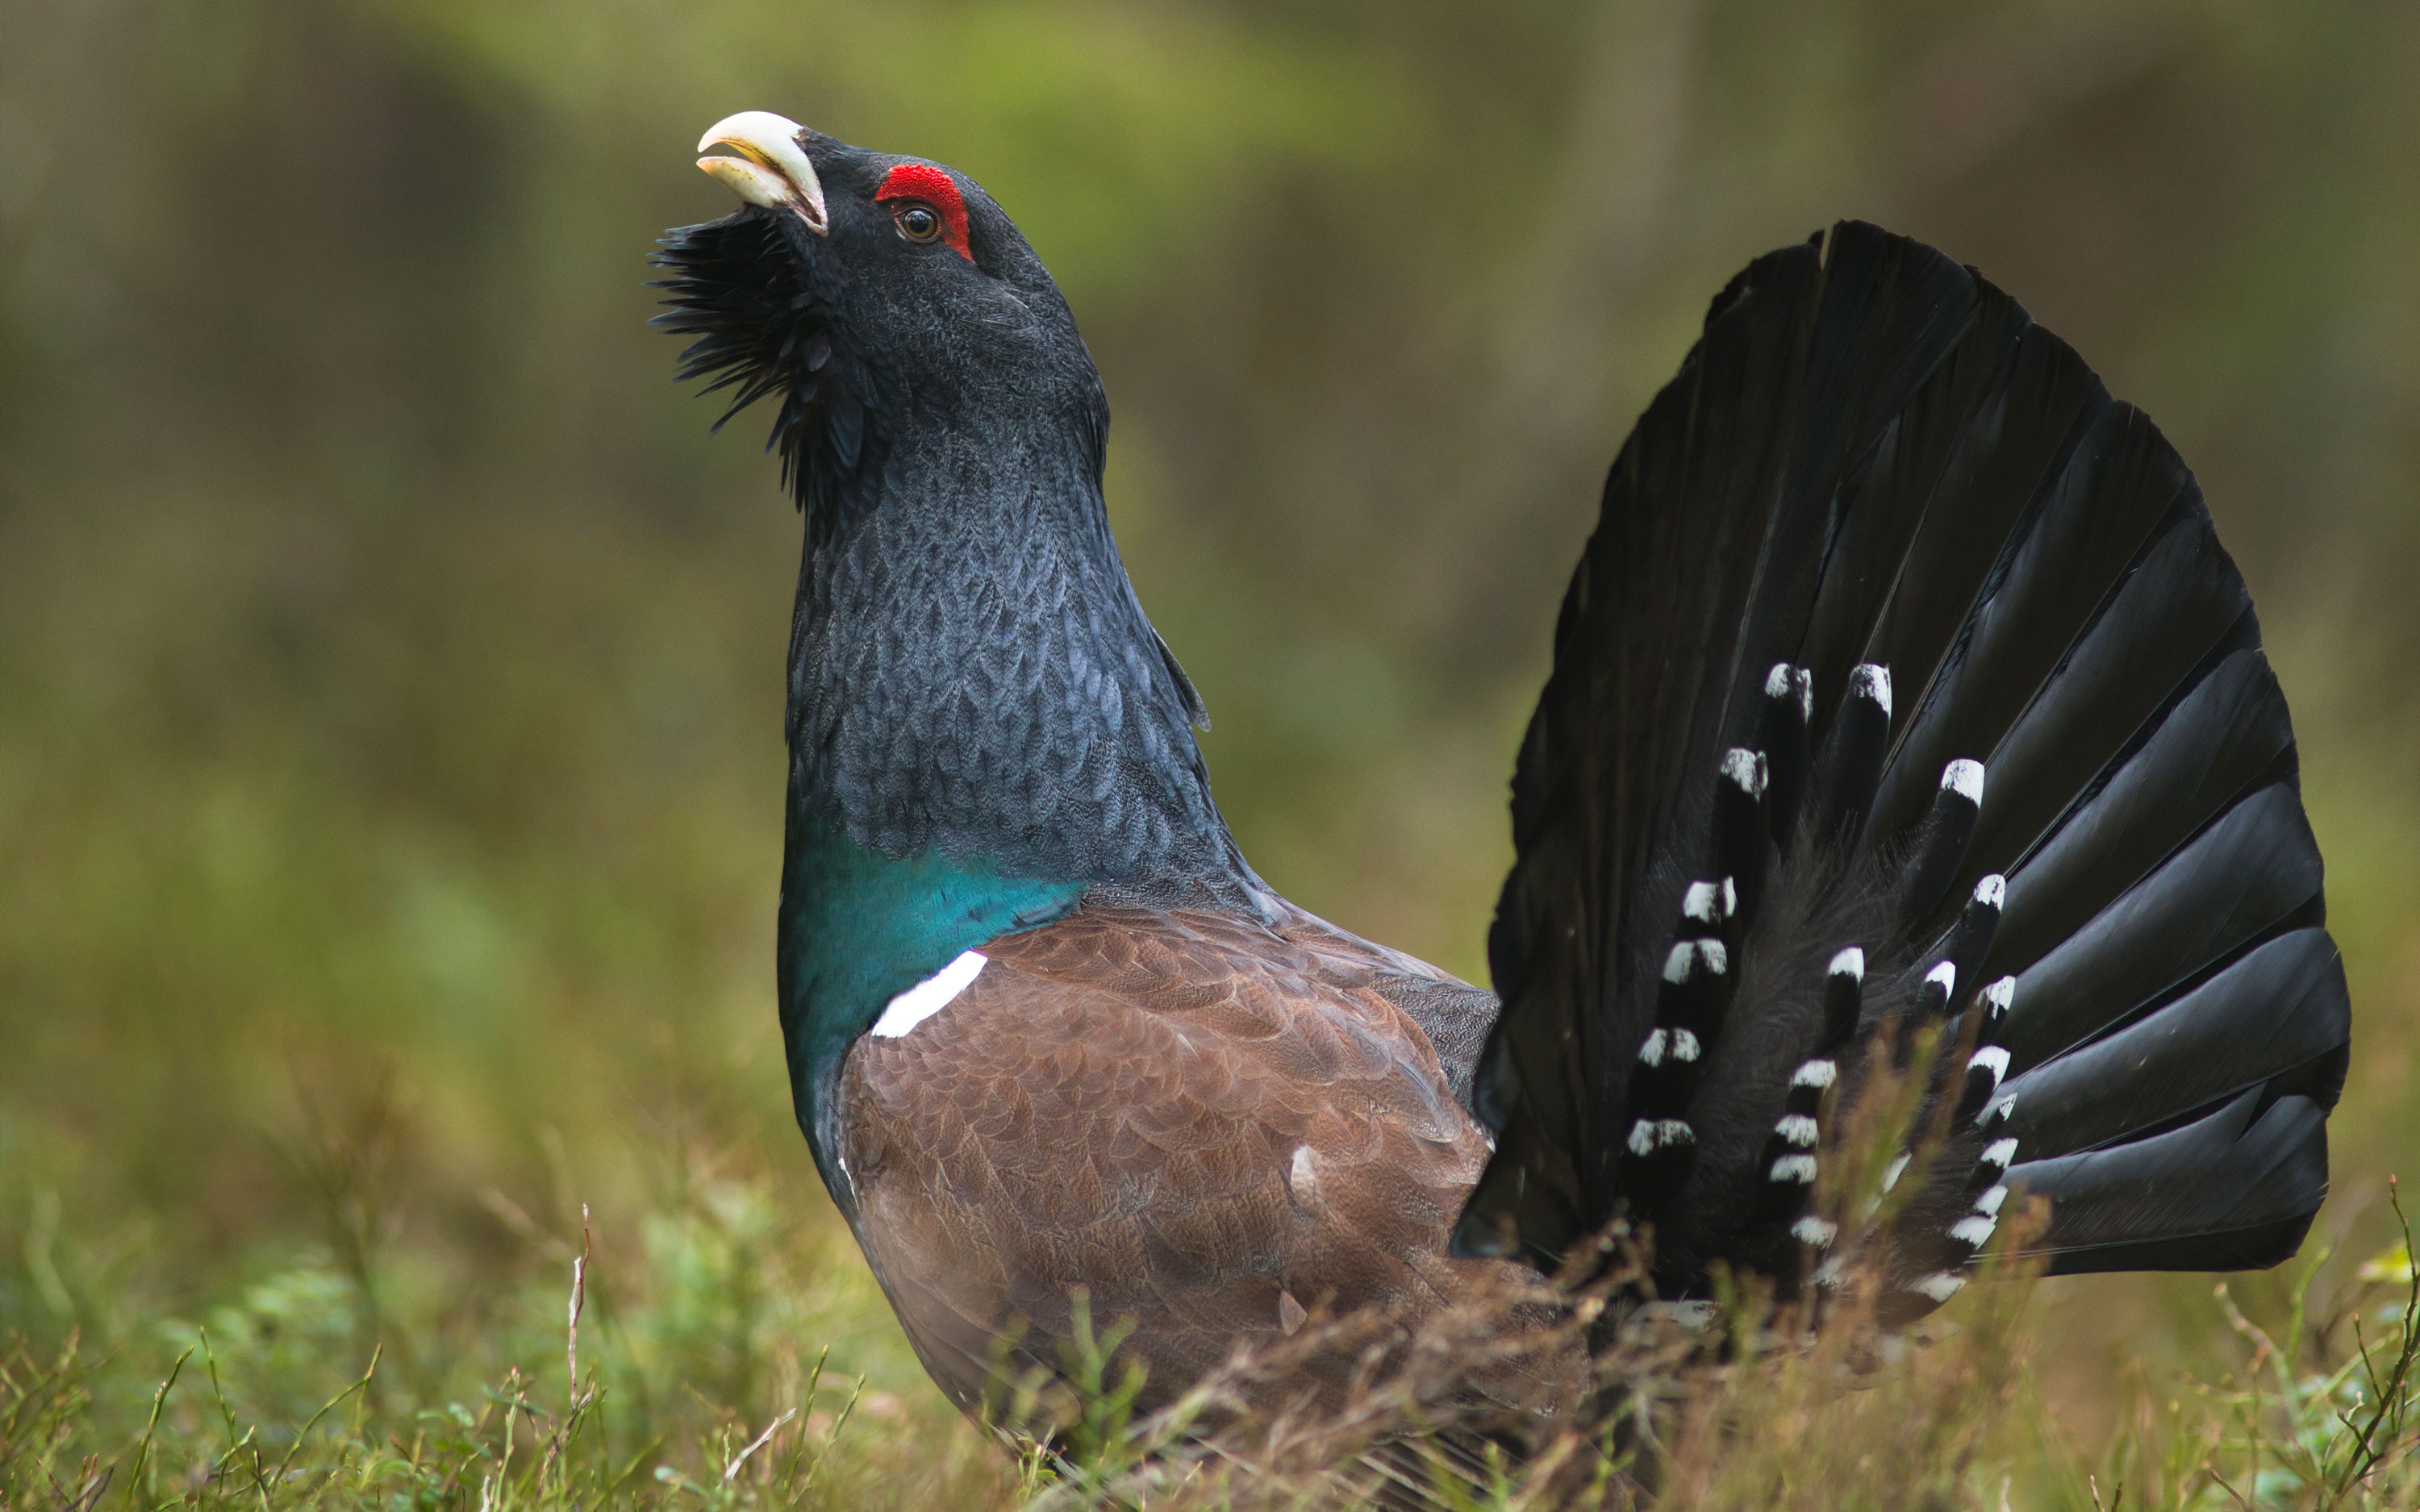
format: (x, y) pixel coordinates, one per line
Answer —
(881, 298)
(971, 675)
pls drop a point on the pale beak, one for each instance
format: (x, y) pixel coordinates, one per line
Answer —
(773, 171)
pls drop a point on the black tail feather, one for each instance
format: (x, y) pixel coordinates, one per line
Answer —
(2252, 874)
(1781, 736)
(2227, 735)
(1968, 944)
(2273, 1011)
(1875, 476)
(2234, 1191)
(1940, 844)
(1851, 769)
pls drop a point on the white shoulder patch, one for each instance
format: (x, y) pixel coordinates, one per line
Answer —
(929, 996)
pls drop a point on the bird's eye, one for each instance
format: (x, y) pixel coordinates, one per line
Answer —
(917, 223)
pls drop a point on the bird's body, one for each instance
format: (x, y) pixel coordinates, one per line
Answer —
(1209, 1123)
(1057, 1047)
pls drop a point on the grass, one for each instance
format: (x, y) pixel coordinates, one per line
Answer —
(721, 1346)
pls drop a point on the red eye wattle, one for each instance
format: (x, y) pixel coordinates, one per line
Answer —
(936, 188)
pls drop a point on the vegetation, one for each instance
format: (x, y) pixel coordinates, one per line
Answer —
(389, 669)
(691, 1365)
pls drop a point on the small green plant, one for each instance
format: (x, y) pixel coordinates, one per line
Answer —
(2320, 1424)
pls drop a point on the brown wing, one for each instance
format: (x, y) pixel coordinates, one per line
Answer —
(1210, 1126)
(1454, 1015)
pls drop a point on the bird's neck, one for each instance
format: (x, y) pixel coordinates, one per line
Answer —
(982, 728)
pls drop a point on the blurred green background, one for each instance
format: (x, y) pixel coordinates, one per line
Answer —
(391, 663)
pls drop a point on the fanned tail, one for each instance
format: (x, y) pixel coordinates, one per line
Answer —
(1904, 684)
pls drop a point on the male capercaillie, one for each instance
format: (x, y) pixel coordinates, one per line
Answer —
(1903, 686)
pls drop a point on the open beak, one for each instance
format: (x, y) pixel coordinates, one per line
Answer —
(772, 169)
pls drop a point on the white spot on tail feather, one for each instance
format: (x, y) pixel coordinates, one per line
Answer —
(1807, 692)
(1998, 995)
(1690, 954)
(1849, 963)
(929, 996)
(1685, 1045)
(1651, 1053)
(1746, 769)
(1793, 1168)
(1965, 778)
(1944, 976)
(1679, 960)
(1649, 1135)
(1797, 1129)
(1991, 892)
(1818, 1232)
(1941, 1286)
(1818, 1072)
(1776, 682)
(2000, 1152)
(1869, 679)
(1701, 902)
(1989, 1203)
(1974, 1231)
(1991, 1057)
